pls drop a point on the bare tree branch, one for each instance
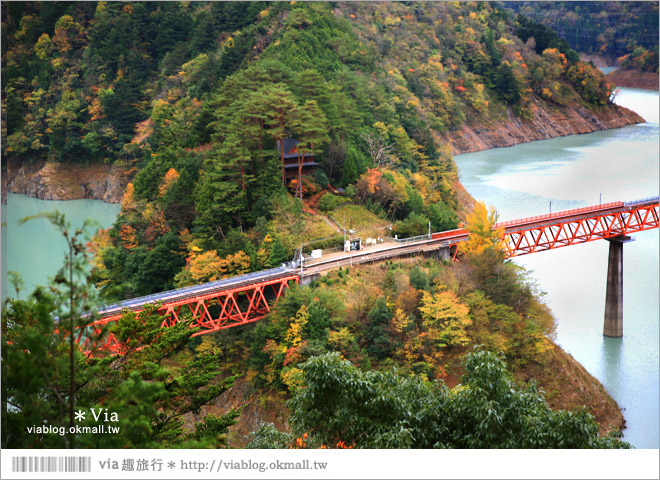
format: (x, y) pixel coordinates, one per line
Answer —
(379, 149)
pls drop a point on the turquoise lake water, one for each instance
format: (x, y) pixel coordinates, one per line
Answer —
(576, 171)
(35, 249)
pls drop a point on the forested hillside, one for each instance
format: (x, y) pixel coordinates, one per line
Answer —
(611, 28)
(195, 97)
(192, 99)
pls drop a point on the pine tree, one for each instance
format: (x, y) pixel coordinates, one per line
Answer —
(312, 127)
(277, 253)
(221, 195)
(310, 85)
(280, 109)
(350, 172)
(380, 343)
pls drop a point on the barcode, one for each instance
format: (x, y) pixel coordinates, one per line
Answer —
(51, 464)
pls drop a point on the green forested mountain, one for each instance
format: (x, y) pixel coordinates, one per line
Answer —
(195, 96)
(610, 28)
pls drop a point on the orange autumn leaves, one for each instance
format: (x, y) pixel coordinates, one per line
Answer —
(208, 267)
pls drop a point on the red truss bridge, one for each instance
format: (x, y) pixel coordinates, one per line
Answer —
(247, 298)
(570, 227)
(213, 306)
(582, 225)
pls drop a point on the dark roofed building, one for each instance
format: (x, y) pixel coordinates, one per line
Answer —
(291, 158)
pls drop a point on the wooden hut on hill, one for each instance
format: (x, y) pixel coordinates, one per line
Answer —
(295, 163)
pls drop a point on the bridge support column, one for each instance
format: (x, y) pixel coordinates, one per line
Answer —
(613, 326)
(308, 279)
(444, 253)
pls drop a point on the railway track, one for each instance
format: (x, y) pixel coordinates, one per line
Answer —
(438, 240)
(209, 288)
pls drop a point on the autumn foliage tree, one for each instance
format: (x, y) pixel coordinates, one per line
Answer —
(482, 235)
(446, 318)
(45, 374)
(208, 267)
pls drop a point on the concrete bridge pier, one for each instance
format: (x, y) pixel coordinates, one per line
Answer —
(308, 278)
(444, 253)
(613, 326)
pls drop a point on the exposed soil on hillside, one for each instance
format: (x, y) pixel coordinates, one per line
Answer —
(465, 201)
(634, 79)
(568, 386)
(257, 407)
(599, 60)
(66, 181)
(547, 122)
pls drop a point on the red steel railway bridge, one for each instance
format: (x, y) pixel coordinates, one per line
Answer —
(247, 298)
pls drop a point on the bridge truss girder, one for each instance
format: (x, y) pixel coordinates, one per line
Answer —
(210, 313)
(580, 230)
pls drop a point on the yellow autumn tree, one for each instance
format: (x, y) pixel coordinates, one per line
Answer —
(294, 333)
(236, 264)
(481, 232)
(99, 244)
(209, 267)
(343, 341)
(205, 267)
(128, 201)
(209, 345)
(445, 318)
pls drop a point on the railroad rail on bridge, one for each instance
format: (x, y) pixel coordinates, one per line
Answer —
(579, 226)
(244, 299)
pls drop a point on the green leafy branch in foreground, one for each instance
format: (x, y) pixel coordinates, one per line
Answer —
(148, 396)
(339, 404)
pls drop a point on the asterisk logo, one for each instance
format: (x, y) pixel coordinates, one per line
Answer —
(80, 415)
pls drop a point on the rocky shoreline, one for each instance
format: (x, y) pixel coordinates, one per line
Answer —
(70, 181)
(634, 79)
(570, 389)
(65, 181)
(547, 122)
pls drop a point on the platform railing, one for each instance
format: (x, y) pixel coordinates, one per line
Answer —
(418, 238)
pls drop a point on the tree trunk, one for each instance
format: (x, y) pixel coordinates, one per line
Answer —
(300, 165)
(282, 160)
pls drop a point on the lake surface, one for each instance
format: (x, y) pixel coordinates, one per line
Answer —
(576, 171)
(36, 249)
